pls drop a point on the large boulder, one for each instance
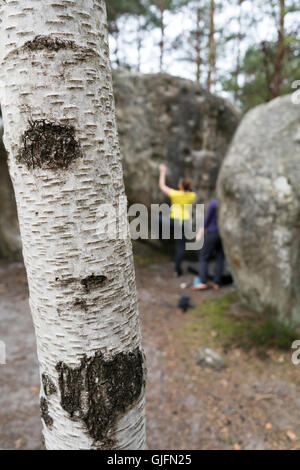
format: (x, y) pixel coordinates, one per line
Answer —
(10, 243)
(161, 119)
(259, 213)
(165, 119)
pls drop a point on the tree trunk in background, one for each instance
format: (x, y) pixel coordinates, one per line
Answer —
(162, 39)
(139, 41)
(60, 133)
(211, 47)
(238, 56)
(198, 46)
(280, 52)
(117, 48)
(266, 64)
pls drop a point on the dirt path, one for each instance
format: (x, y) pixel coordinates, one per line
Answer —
(252, 404)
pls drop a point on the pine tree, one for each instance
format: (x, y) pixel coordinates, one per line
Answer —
(278, 10)
(116, 9)
(276, 80)
(211, 79)
(161, 8)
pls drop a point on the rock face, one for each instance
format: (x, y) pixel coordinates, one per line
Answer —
(259, 214)
(10, 242)
(164, 119)
(161, 119)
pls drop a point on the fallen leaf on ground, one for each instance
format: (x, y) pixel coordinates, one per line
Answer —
(265, 396)
(20, 443)
(291, 435)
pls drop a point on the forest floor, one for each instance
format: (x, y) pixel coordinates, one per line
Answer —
(253, 403)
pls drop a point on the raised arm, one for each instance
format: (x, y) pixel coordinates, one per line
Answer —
(162, 180)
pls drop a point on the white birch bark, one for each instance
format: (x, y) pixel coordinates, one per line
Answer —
(55, 67)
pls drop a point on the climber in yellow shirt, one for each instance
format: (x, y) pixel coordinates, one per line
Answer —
(181, 201)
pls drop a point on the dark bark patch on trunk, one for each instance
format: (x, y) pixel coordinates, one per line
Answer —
(49, 43)
(81, 304)
(45, 413)
(93, 282)
(48, 385)
(102, 389)
(54, 44)
(49, 145)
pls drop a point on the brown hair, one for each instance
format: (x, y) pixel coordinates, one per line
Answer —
(186, 184)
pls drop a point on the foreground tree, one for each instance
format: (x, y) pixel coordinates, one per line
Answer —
(60, 133)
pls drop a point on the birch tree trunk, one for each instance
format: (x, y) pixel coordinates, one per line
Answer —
(60, 133)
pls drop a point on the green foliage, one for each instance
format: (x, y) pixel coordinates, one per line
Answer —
(245, 330)
(117, 8)
(256, 70)
(168, 5)
(271, 333)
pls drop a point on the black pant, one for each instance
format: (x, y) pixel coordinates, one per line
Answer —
(212, 242)
(176, 234)
(179, 243)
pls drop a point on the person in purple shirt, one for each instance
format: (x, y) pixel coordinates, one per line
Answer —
(212, 243)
